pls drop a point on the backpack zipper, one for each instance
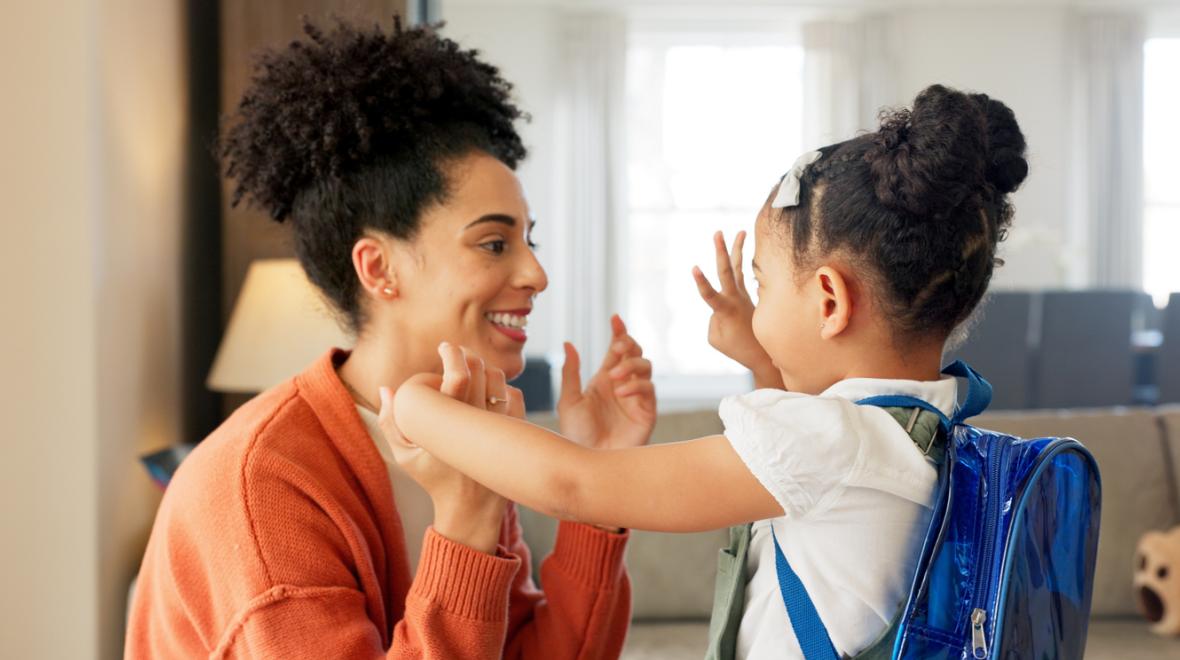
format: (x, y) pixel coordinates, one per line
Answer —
(991, 496)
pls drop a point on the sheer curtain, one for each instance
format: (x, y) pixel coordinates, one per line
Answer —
(1108, 174)
(590, 184)
(848, 70)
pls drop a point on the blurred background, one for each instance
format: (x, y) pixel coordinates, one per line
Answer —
(654, 122)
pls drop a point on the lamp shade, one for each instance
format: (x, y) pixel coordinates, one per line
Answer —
(279, 325)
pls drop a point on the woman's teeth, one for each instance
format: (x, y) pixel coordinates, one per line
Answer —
(507, 320)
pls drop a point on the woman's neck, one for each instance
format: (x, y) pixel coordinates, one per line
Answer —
(376, 363)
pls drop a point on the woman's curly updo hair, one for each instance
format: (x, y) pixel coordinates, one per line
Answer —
(352, 129)
(919, 206)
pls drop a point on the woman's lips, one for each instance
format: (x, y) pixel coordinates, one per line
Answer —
(515, 334)
(510, 323)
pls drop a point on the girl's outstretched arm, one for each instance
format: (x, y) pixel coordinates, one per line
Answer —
(679, 487)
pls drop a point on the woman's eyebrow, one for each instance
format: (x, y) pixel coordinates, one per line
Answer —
(494, 217)
(755, 265)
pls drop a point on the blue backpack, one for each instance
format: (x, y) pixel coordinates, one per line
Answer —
(1008, 563)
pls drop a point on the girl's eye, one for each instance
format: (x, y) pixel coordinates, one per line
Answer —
(531, 244)
(495, 247)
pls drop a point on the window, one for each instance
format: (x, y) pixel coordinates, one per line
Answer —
(1161, 144)
(712, 122)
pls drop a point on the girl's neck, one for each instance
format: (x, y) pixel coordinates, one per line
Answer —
(921, 363)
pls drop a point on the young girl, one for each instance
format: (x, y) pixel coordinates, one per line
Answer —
(869, 253)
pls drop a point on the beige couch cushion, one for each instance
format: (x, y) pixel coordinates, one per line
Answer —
(672, 575)
(1137, 491)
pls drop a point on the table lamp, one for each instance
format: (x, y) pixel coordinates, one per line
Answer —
(279, 325)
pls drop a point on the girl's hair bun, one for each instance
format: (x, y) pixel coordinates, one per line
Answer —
(928, 160)
(1006, 166)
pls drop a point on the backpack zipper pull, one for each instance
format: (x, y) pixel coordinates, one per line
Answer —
(978, 642)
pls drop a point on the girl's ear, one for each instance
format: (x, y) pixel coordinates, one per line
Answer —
(835, 301)
(372, 260)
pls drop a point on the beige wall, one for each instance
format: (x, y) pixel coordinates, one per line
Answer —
(49, 576)
(143, 104)
(91, 168)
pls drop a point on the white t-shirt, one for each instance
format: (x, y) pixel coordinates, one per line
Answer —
(413, 503)
(857, 494)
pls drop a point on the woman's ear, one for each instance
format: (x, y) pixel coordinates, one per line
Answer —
(373, 263)
(835, 302)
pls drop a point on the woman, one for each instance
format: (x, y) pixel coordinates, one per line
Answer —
(290, 532)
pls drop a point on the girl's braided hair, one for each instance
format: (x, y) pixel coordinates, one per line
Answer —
(919, 205)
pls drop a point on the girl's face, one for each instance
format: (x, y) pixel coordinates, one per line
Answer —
(788, 314)
(469, 276)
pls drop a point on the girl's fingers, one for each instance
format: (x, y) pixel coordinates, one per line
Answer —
(735, 260)
(710, 295)
(456, 375)
(497, 390)
(724, 269)
(635, 366)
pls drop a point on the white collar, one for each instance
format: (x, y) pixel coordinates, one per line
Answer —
(941, 393)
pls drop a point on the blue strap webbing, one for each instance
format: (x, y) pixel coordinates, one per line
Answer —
(809, 629)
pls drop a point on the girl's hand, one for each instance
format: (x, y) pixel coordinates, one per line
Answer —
(731, 329)
(464, 510)
(618, 407)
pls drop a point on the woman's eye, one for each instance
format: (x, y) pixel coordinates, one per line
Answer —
(495, 247)
(532, 245)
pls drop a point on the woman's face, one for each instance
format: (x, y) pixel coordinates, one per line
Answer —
(469, 276)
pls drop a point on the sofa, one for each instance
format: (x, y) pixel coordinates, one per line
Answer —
(1138, 454)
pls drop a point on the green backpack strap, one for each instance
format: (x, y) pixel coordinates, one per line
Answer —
(729, 595)
(924, 429)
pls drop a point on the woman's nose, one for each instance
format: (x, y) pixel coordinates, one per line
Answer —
(531, 274)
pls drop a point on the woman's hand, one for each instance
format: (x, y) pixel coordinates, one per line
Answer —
(731, 329)
(464, 510)
(618, 407)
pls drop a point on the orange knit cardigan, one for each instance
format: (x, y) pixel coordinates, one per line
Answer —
(278, 538)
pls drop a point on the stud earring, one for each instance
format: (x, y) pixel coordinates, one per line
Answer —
(387, 291)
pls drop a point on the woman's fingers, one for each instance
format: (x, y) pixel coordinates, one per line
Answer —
(637, 387)
(571, 376)
(497, 390)
(735, 260)
(515, 403)
(634, 366)
(724, 268)
(456, 375)
(477, 393)
(710, 295)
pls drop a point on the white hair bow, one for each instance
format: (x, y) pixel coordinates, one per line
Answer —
(788, 188)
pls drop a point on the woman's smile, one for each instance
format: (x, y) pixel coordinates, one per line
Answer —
(511, 323)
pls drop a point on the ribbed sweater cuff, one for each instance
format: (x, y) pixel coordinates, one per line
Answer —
(591, 555)
(463, 581)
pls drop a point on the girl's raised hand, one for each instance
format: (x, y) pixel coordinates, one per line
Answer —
(618, 406)
(731, 329)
